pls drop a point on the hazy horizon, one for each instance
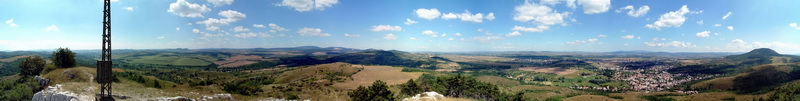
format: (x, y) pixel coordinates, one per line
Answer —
(435, 26)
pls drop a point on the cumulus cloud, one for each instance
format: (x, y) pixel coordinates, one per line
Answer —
(538, 14)
(308, 5)
(129, 8)
(51, 28)
(218, 3)
(240, 29)
(312, 32)
(487, 38)
(602, 36)
(717, 25)
(212, 28)
(430, 33)
(468, 17)
(581, 42)
(595, 6)
(409, 21)
(794, 25)
(276, 28)
(259, 26)
(380, 28)
(449, 16)
(781, 47)
(177, 29)
(490, 16)
(245, 35)
(727, 15)
(627, 37)
(11, 23)
(391, 36)
(185, 9)
(515, 33)
(160, 37)
(703, 34)
(539, 28)
(412, 38)
(230, 16)
(670, 44)
(670, 19)
(196, 31)
(429, 14)
(457, 34)
(450, 39)
(352, 35)
(633, 11)
(730, 27)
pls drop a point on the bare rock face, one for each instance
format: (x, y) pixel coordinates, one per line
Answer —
(42, 81)
(53, 93)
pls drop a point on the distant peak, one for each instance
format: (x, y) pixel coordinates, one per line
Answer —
(764, 52)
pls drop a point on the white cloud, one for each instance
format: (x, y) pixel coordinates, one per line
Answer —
(490, 16)
(727, 15)
(781, 47)
(230, 16)
(737, 41)
(592, 40)
(670, 44)
(444, 34)
(449, 39)
(457, 34)
(717, 25)
(380, 28)
(627, 37)
(539, 28)
(703, 34)
(129, 8)
(409, 21)
(515, 33)
(177, 29)
(730, 27)
(602, 36)
(259, 26)
(430, 33)
(308, 5)
(185, 9)
(276, 28)
(196, 31)
(114, 0)
(633, 11)
(212, 28)
(538, 14)
(794, 25)
(429, 14)
(245, 35)
(218, 3)
(52, 28)
(391, 36)
(352, 35)
(487, 38)
(11, 23)
(595, 6)
(412, 38)
(240, 29)
(160, 37)
(312, 32)
(449, 16)
(670, 19)
(700, 22)
(581, 42)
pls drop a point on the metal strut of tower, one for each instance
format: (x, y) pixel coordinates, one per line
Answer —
(104, 76)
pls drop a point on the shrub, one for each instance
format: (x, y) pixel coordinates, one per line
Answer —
(31, 66)
(63, 58)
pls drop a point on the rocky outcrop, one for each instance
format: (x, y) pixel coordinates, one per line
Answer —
(53, 93)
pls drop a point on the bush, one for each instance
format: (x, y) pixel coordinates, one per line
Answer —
(377, 92)
(63, 58)
(31, 66)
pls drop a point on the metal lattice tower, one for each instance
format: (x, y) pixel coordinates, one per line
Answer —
(104, 74)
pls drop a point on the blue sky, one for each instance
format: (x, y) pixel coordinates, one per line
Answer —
(408, 25)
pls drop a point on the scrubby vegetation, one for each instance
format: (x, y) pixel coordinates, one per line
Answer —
(63, 58)
(31, 66)
(377, 92)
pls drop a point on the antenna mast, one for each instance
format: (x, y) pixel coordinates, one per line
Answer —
(104, 74)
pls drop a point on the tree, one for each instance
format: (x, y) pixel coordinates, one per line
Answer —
(377, 92)
(31, 66)
(410, 88)
(63, 58)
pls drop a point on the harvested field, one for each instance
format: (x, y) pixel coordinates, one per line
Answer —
(11, 59)
(557, 71)
(590, 98)
(388, 74)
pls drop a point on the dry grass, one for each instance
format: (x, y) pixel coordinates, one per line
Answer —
(636, 96)
(590, 98)
(541, 92)
(240, 60)
(317, 71)
(11, 59)
(388, 74)
(499, 81)
(557, 71)
(716, 96)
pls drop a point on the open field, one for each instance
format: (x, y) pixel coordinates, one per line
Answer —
(590, 98)
(169, 59)
(557, 71)
(11, 59)
(499, 81)
(388, 74)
